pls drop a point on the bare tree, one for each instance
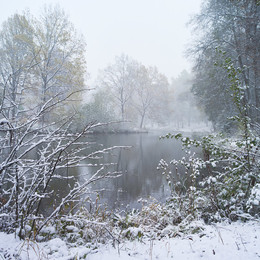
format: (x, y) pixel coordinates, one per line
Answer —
(135, 89)
(151, 89)
(119, 79)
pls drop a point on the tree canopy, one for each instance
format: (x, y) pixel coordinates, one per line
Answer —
(233, 28)
(41, 58)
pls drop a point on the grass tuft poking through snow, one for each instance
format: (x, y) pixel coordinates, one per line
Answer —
(221, 241)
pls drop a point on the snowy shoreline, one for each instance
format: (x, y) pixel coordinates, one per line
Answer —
(237, 240)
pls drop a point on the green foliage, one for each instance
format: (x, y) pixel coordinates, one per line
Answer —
(226, 25)
(222, 178)
(124, 222)
(226, 175)
(237, 90)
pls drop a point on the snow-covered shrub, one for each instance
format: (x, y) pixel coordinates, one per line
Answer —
(253, 202)
(182, 177)
(228, 171)
(133, 233)
(219, 184)
(31, 163)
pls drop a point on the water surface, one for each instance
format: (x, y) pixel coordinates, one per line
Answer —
(138, 165)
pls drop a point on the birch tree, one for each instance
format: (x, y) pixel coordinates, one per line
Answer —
(150, 95)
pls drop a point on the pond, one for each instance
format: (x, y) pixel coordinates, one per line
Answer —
(138, 164)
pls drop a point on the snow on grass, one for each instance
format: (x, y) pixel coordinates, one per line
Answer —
(220, 241)
(217, 241)
(12, 248)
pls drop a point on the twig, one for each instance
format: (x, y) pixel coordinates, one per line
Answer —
(219, 235)
(243, 243)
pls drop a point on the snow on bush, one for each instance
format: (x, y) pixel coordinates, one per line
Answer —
(253, 202)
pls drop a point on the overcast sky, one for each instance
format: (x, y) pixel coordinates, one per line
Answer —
(153, 32)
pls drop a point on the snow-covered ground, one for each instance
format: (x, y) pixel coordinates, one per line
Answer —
(219, 241)
(200, 127)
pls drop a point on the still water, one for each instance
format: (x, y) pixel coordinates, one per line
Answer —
(137, 164)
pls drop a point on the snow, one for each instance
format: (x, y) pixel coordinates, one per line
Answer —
(255, 193)
(3, 121)
(12, 248)
(72, 229)
(199, 127)
(217, 241)
(254, 199)
(48, 230)
(221, 241)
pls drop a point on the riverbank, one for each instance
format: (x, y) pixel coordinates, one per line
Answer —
(219, 241)
(222, 241)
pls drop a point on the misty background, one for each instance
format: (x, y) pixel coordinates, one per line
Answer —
(84, 85)
(151, 38)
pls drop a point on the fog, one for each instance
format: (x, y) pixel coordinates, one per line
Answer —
(142, 98)
(152, 32)
(86, 90)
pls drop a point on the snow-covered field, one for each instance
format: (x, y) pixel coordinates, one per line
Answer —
(219, 241)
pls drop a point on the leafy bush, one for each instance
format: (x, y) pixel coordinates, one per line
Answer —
(224, 181)
(220, 184)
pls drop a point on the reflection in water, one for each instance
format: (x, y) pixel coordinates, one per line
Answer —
(138, 165)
